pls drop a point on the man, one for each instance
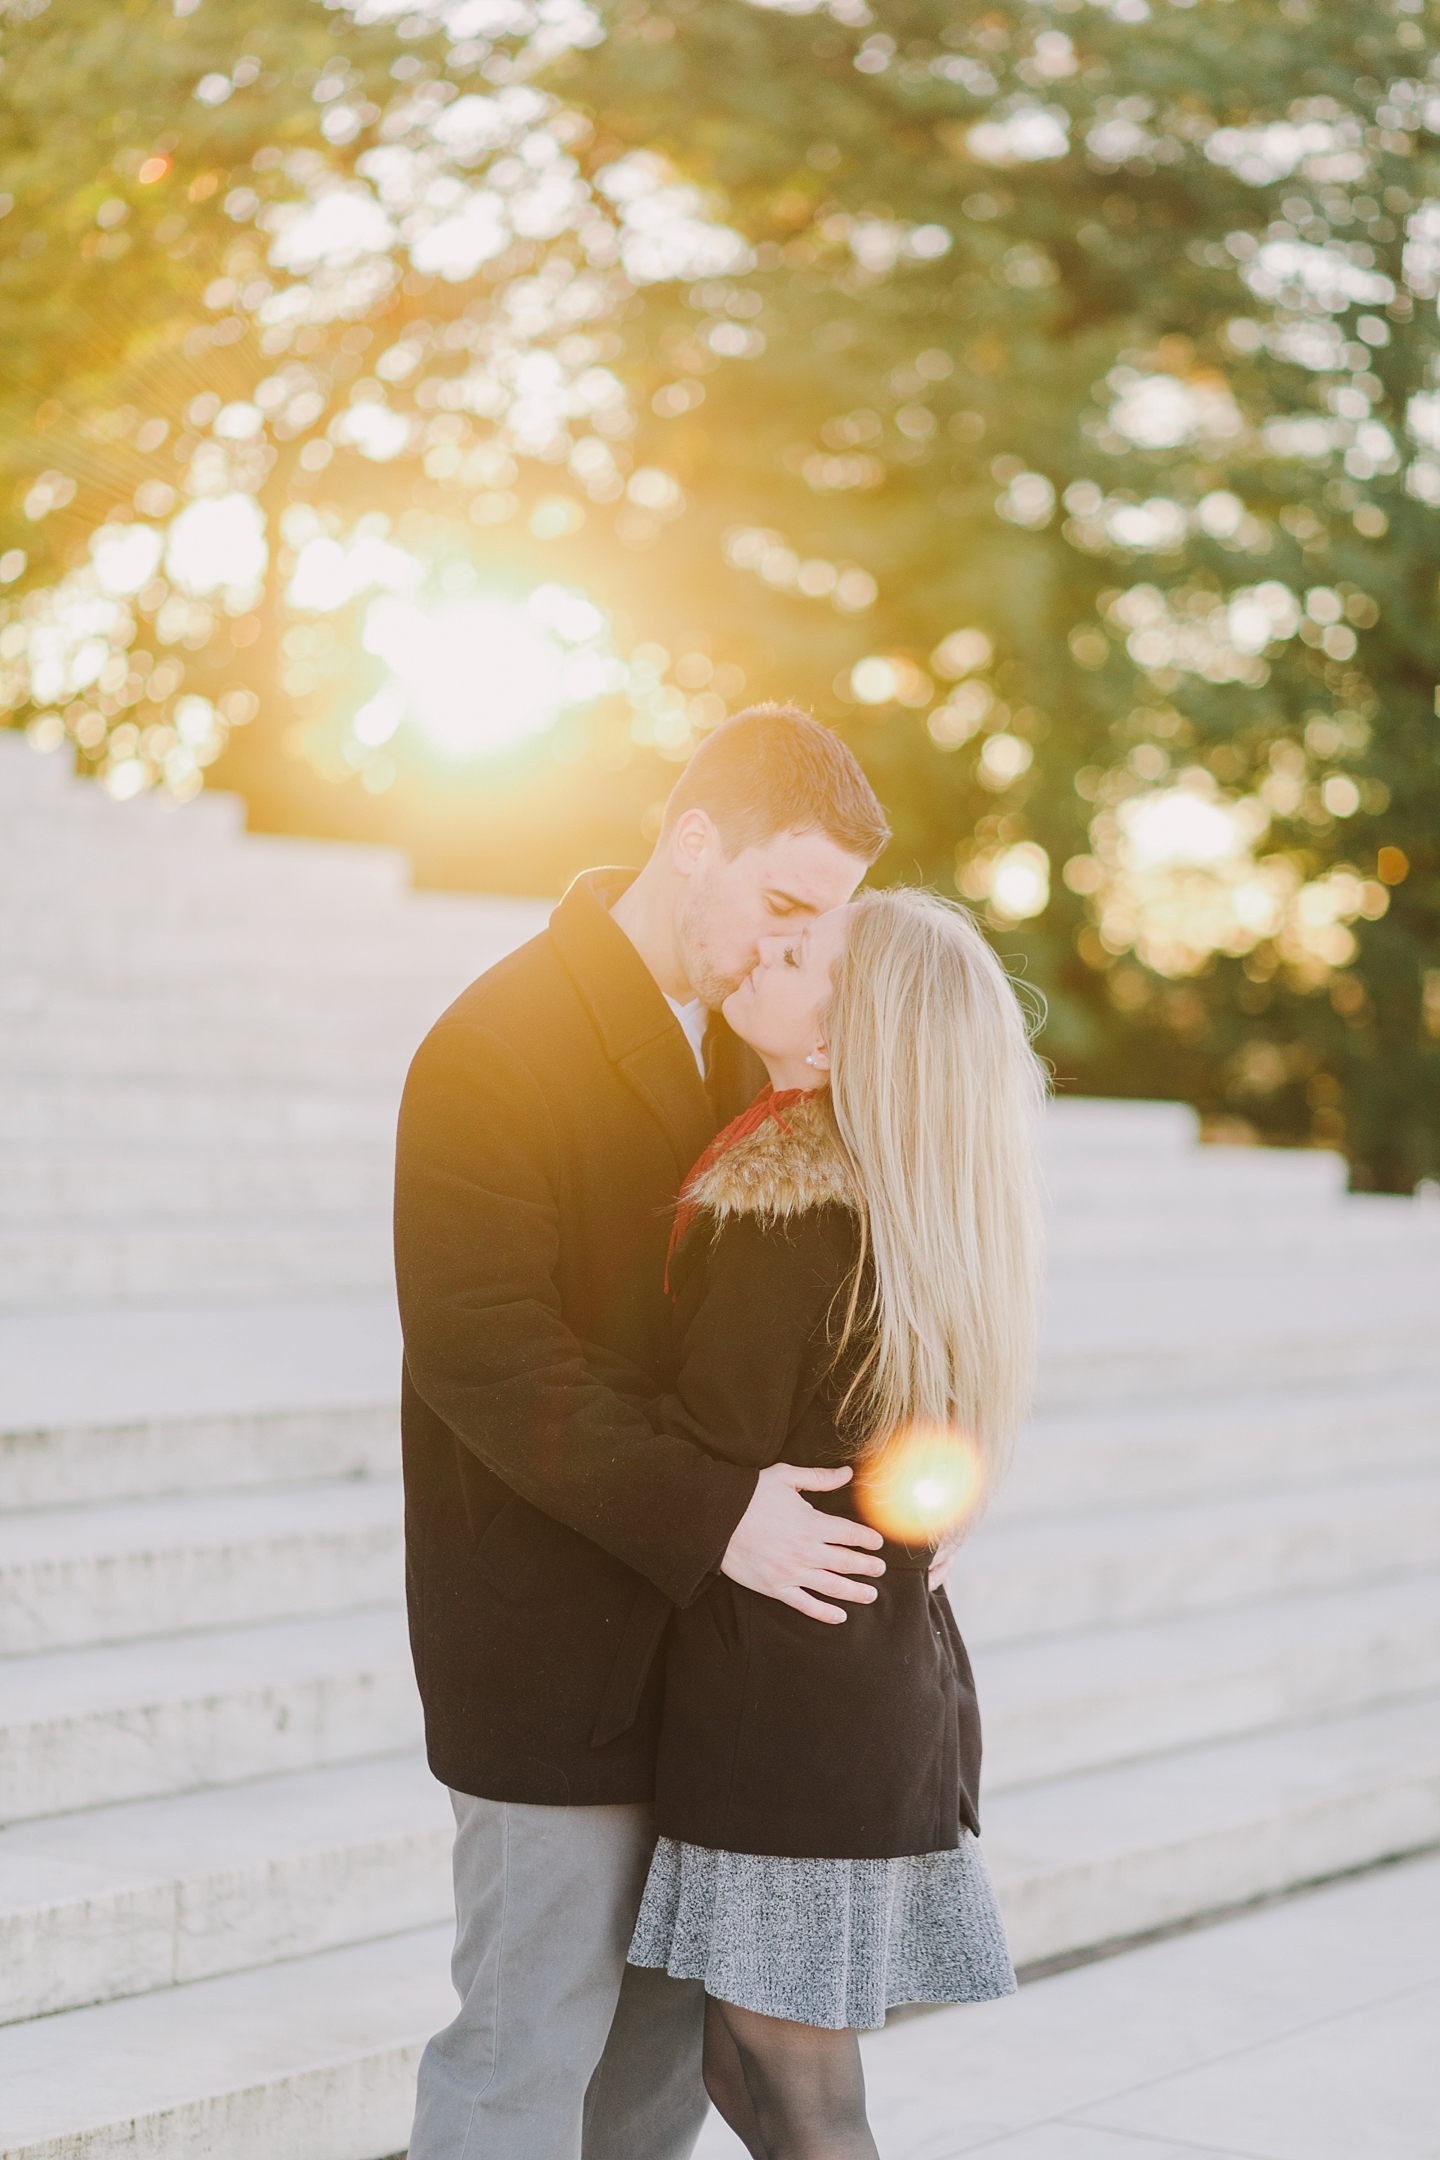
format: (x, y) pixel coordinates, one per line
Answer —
(548, 1121)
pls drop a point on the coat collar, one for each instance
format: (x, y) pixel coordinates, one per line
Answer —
(791, 1161)
(637, 1029)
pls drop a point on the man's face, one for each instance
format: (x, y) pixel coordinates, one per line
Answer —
(728, 906)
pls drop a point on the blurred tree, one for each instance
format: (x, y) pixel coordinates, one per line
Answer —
(1054, 408)
(1108, 335)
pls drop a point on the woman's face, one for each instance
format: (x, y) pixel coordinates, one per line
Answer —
(779, 1008)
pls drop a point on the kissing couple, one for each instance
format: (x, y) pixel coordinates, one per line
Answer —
(705, 1198)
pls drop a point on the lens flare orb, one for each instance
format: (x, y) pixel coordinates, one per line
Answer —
(923, 1485)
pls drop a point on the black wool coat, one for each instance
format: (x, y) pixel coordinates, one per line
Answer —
(782, 1734)
(550, 1528)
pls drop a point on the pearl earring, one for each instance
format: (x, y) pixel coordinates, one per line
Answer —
(809, 1061)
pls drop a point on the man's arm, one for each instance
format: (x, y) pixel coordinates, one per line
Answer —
(477, 1248)
(748, 1367)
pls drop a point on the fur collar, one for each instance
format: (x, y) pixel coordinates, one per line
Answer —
(777, 1172)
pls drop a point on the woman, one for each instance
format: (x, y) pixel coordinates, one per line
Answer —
(855, 1257)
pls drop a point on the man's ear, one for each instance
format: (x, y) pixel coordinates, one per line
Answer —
(693, 831)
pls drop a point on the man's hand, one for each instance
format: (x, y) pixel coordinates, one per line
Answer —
(785, 1549)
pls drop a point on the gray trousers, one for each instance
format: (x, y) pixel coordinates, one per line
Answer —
(560, 2050)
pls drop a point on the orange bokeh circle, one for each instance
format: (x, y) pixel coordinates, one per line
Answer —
(924, 1484)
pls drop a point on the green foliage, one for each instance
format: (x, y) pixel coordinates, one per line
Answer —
(1128, 253)
(1105, 334)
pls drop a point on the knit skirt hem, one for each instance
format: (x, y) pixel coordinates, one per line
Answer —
(825, 1942)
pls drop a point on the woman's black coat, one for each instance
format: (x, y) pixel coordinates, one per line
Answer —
(548, 1120)
(781, 1734)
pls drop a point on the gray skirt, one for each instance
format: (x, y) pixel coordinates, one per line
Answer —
(825, 1942)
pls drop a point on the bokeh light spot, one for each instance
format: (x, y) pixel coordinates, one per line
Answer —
(925, 1483)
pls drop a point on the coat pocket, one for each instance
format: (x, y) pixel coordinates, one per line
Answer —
(517, 1555)
(625, 1684)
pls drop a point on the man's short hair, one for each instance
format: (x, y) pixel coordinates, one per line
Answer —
(773, 769)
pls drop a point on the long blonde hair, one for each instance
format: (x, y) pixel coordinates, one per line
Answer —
(937, 1095)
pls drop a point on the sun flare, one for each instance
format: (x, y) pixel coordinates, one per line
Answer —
(479, 674)
(926, 1482)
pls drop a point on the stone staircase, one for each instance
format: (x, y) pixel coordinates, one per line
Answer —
(1204, 1613)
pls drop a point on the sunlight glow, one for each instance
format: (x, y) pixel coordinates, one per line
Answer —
(480, 674)
(923, 1484)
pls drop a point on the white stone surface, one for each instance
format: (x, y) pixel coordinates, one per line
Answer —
(1302, 2032)
(81, 1464)
(125, 1721)
(99, 1366)
(1204, 1613)
(1191, 1444)
(1138, 1845)
(1093, 1697)
(241, 1259)
(311, 2059)
(119, 1900)
(1052, 1575)
(107, 1572)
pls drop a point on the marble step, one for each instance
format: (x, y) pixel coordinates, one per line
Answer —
(55, 1173)
(407, 996)
(88, 1465)
(90, 1574)
(1090, 1859)
(54, 1188)
(1051, 1703)
(1105, 1696)
(31, 779)
(436, 933)
(131, 1257)
(1081, 1462)
(152, 1894)
(312, 2059)
(1096, 1127)
(135, 1261)
(118, 1571)
(61, 948)
(1118, 1332)
(34, 788)
(225, 1115)
(1046, 1575)
(1342, 1234)
(1166, 1450)
(294, 1051)
(67, 1368)
(53, 850)
(134, 1721)
(1292, 1177)
(44, 898)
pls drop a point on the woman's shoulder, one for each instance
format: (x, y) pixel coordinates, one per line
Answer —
(792, 1167)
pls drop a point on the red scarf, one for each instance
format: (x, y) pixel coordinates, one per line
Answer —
(767, 1104)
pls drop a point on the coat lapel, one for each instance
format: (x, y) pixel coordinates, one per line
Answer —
(734, 1074)
(640, 1034)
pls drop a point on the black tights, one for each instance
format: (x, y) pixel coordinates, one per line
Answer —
(788, 2091)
